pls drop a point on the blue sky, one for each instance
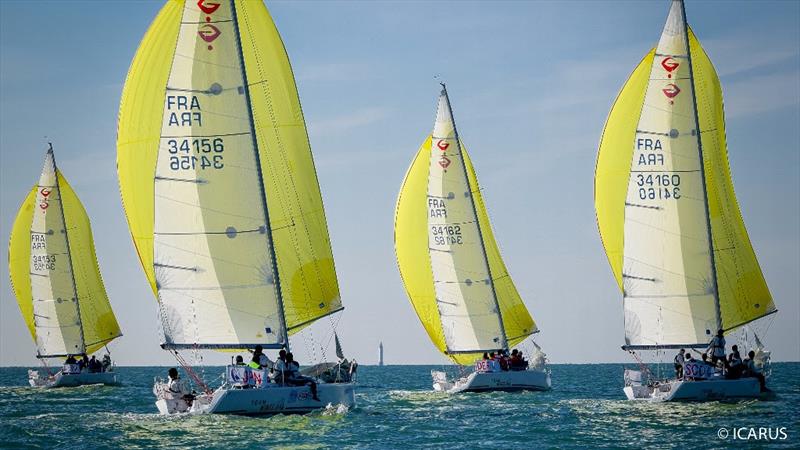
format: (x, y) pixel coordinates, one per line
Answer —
(531, 84)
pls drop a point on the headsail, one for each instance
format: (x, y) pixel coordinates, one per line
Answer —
(663, 195)
(447, 255)
(218, 181)
(54, 270)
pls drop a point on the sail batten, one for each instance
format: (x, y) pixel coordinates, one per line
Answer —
(665, 206)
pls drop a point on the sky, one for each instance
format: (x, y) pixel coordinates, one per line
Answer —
(531, 84)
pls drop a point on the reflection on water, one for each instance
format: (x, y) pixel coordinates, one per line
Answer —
(396, 407)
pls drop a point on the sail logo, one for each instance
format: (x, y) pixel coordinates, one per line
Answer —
(669, 65)
(45, 201)
(208, 32)
(209, 7)
(442, 145)
(671, 91)
(444, 161)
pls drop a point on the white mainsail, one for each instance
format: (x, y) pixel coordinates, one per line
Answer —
(213, 256)
(670, 296)
(465, 296)
(56, 311)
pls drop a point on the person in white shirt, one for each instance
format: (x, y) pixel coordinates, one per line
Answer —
(177, 387)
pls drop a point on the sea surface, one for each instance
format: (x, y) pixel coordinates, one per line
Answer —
(397, 409)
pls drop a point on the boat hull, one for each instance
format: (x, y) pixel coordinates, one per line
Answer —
(263, 401)
(510, 381)
(72, 380)
(697, 391)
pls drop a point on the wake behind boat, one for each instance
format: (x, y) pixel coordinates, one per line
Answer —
(452, 269)
(58, 286)
(672, 229)
(222, 199)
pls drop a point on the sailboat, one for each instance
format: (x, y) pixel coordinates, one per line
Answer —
(57, 282)
(669, 220)
(452, 270)
(223, 203)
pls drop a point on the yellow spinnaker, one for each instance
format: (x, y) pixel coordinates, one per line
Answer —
(413, 260)
(305, 266)
(99, 325)
(743, 292)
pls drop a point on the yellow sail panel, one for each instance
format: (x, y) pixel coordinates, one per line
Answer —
(19, 259)
(98, 321)
(517, 321)
(614, 163)
(139, 128)
(411, 245)
(743, 292)
(309, 285)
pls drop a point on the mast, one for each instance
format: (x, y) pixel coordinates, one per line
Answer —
(69, 251)
(702, 170)
(477, 221)
(273, 259)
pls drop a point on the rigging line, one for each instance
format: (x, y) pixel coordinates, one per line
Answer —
(177, 136)
(180, 180)
(643, 206)
(199, 22)
(666, 171)
(191, 372)
(206, 233)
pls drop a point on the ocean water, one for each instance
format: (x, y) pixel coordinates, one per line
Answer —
(397, 409)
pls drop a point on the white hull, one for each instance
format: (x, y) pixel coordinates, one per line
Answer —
(509, 381)
(706, 390)
(263, 401)
(71, 380)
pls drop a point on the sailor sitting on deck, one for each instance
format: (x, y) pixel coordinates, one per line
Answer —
(294, 378)
(502, 359)
(260, 360)
(735, 364)
(752, 370)
(177, 388)
(278, 371)
(494, 366)
(83, 363)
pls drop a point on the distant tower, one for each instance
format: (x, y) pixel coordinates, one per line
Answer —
(380, 354)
